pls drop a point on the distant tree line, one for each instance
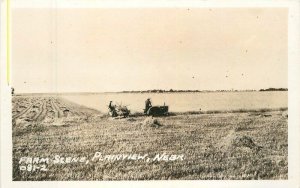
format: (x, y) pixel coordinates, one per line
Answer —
(182, 91)
(274, 89)
(195, 91)
(160, 91)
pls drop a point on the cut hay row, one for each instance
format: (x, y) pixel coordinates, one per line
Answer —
(56, 109)
(41, 116)
(65, 109)
(50, 114)
(46, 110)
(39, 111)
(62, 108)
(22, 113)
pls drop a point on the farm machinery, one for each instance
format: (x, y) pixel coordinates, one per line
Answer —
(123, 111)
(118, 110)
(157, 111)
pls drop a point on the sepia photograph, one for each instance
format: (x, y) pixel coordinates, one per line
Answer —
(149, 93)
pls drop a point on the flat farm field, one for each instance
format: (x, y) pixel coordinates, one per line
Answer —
(54, 139)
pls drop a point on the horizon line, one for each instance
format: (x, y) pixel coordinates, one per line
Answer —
(158, 91)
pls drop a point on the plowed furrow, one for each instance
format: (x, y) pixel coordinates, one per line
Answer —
(58, 112)
(42, 113)
(54, 108)
(23, 112)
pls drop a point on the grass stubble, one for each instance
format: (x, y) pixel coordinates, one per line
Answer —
(216, 146)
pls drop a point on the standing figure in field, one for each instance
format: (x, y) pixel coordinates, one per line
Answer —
(147, 105)
(112, 109)
(12, 91)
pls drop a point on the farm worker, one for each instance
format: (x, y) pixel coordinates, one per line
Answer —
(112, 109)
(147, 105)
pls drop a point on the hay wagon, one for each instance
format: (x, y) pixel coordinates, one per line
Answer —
(119, 111)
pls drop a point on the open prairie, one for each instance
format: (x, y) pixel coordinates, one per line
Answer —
(54, 139)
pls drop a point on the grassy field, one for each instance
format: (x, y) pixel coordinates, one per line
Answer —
(239, 145)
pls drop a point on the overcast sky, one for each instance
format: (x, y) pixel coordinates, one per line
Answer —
(94, 50)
